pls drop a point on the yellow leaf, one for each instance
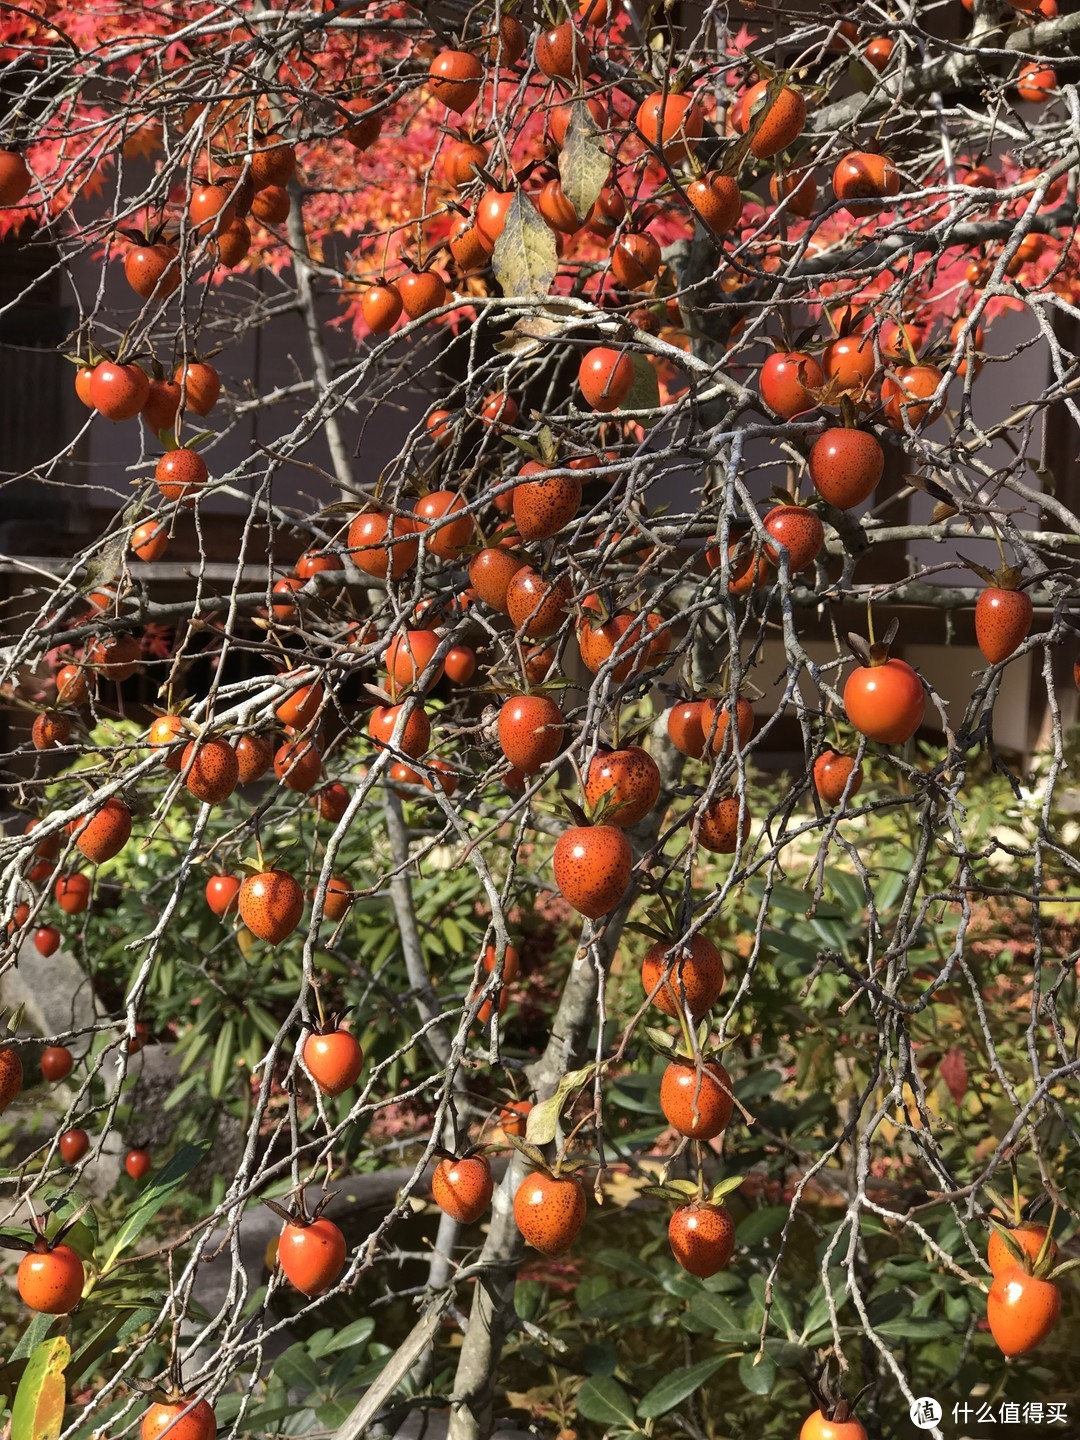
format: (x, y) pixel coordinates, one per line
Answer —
(584, 164)
(38, 1412)
(525, 258)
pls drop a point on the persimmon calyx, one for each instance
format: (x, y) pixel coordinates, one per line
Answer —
(1008, 577)
(677, 1192)
(297, 1213)
(723, 1188)
(577, 813)
(532, 1153)
(874, 652)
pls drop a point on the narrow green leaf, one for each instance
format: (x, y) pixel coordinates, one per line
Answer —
(674, 1388)
(711, 1310)
(760, 1378)
(103, 1339)
(615, 1304)
(222, 1064)
(265, 1023)
(454, 934)
(103, 567)
(847, 888)
(685, 1189)
(353, 1337)
(781, 1313)
(784, 943)
(298, 1369)
(904, 1328)
(760, 1224)
(723, 1188)
(31, 1337)
(83, 1235)
(154, 1197)
(38, 1412)
(626, 1264)
(177, 1096)
(604, 1400)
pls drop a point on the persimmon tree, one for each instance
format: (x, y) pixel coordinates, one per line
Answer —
(691, 315)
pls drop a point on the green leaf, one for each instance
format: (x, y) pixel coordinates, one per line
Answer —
(600, 1359)
(785, 943)
(454, 934)
(38, 1412)
(222, 1064)
(333, 1414)
(343, 1367)
(781, 897)
(529, 1296)
(674, 1388)
(31, 1337)
(604, 1400)
(957, 1310)
(645, 391)
(260, 1422)
(943, 1357)
(297, 1369)
(661, 1040)
(757, 1378)
(818, 1315)
(848, 889)
(352, 1337)
(781, 1313)
(719, 1316)
(887, 889)
(760, 1224)
(83, 1235)
(584, 164)
(615, 1304)
(905, 1328)
(103, 1339)
(264, 1022)
(674, 1190)
(785, 1354)
(318, 1342)
(525, 258)
(723, 1188)
(177, 1096)
(154, 1197)
(626, 1264)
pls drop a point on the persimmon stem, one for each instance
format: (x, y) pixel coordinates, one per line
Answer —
(565, 1146)
(689, 1038)
(1048, 1238)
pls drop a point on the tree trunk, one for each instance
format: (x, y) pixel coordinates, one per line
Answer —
(568, 1049)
